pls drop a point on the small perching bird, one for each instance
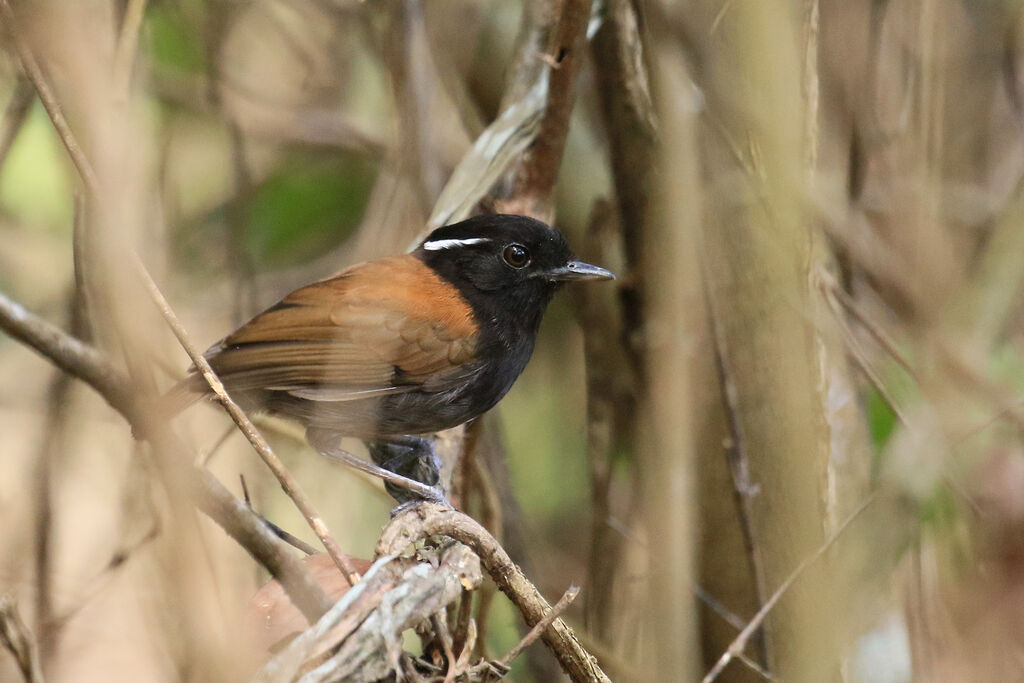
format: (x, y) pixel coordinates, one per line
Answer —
(403, 346)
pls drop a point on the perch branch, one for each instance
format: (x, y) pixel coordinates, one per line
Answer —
(429, 519)
(360, 638)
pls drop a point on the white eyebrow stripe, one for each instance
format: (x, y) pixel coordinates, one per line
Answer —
(435, 245)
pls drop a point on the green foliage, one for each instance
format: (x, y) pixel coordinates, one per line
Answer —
(939, 510)
(35, 186)
(305, 207)
(1006, 364)
(882, 419)
(173, 44)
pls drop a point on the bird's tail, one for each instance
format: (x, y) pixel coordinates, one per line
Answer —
(181, 396)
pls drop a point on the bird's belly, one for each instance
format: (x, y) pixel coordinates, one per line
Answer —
(420, 412)
(417, 411)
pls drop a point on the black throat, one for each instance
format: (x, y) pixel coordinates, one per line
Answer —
(508, 318)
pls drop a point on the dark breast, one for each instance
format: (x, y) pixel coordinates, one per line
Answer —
(489, 379)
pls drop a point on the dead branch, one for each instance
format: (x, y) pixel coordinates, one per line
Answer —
(553, 41)
(630, 122)
(360, 638)
(428, 519)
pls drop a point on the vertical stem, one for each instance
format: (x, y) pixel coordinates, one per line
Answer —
(553, 39)
(243, 272)
(127, 45)
(809, 84)
(757, 246)
(614, 333)
(666, 450)
(43, 495)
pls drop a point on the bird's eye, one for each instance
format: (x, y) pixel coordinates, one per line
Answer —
(516, 255)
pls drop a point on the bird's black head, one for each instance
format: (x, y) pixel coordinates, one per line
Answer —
(505, 264)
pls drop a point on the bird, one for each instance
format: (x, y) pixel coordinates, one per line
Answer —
(396, 348)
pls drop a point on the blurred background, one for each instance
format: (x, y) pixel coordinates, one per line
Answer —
(808, 371)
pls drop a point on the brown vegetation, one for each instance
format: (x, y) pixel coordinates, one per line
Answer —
(786, 446)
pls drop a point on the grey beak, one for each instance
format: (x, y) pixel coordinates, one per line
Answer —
(578, 270)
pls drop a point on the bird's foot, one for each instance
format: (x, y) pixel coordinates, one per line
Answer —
(412, 457)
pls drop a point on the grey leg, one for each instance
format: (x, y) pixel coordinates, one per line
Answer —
(326, 443)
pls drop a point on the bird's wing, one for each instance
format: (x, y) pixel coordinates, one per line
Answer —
(385, 326)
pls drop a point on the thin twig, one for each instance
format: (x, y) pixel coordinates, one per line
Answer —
(240, 263)
(539, 628)
(491, 516)
(733, 620)
(755, 667)
(285, 536)
(245, 491)
(98, 583)
(716, 606)
(35, 73)
(836, 298)
(460, 639)
(861, 357)
(740, 643)
(736, 459)
(49, 459)
(79, 243)
(832, 289)
(288, 482)
(501, 667)
(441, 631)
